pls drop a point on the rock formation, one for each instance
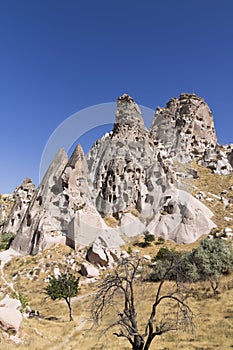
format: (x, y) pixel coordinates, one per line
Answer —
(185, 127)
(128, 177)
(22, 197)
(6, 203)
(41, 224)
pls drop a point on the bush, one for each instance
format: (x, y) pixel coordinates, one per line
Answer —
(213, 257)
(210, 260)
(148, 239)
(168, 265)
(6, 239)
(23, 300)
(161, 240)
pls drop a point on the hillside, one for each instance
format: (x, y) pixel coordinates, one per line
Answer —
(172, 181)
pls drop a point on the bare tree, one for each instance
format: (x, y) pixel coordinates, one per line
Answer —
(121, 283)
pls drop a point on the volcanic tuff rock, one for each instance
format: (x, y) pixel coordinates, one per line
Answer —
(185, 127)
(6, 203)
(128, 178)
(22, 197)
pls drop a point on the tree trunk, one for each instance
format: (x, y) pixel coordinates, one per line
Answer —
(70, 309)
(138, 343)
(148, 343)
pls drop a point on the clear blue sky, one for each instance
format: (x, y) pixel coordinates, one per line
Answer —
(60, 56)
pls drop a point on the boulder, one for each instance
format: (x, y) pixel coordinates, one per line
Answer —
(100, 254)
(89, 270)
(184, 219)
(10, 320)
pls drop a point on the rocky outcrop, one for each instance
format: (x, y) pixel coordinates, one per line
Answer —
(41, 224)
(185, 127)
(6, 203)
(101, 254)
(219, 159)
(128, 176)
(22, 197)
(182, 218)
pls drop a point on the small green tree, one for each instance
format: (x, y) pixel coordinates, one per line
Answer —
(64, 286)
(208, 262)
(212, 259)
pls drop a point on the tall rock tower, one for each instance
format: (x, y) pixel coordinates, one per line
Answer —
(185, 127)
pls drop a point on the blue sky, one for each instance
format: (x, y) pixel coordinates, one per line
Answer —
(60, 56)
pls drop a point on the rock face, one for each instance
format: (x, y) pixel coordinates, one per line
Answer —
(219, 159)
(128, 176)
(185, 127)
(6, 203)
(41, 224)
(22, 197)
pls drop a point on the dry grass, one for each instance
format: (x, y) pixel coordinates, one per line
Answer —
(213, 316)
(111, 221)
(211, 184)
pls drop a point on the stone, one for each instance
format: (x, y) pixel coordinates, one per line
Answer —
(185, 222)
(89, 270)
(185, 127)
(22, 197)
(193, 172)
(131, 226)
(124, 254)
(226, 218)
(41, 224)
(130, 174)
(10, 303)
(147, 257)
(101, 255)
(227, 230)
(10, 320)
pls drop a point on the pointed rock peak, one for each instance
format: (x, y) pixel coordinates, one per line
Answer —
(128, 112)
(77, 155)
(61, 156)
(54, 171)
(125, 98)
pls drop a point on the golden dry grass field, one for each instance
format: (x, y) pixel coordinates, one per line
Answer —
(213, 316)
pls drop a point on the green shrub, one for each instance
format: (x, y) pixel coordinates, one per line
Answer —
(6, 239)
(210, 260)
(23, 300)
(161, 240)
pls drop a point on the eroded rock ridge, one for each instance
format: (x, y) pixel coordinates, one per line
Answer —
(126, 185)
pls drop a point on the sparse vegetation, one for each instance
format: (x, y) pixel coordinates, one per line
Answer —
(64, 286)
(148, 239)
(209, 261)
(5, 240)
(117, 291)
(23, 300)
